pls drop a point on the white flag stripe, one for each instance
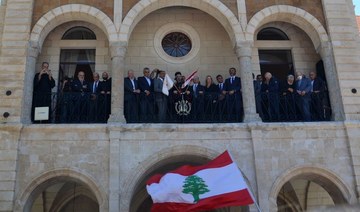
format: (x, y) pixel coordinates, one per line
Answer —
(221, 180)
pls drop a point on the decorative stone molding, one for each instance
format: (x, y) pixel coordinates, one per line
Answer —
(177, 27)
(33, 49)
(292, 15)
(313, 173)
(215, 8)
(71, 12)
(118, 49)
(27, 194)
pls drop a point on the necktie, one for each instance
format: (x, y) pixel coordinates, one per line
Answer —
(95, 86)
(231, 80)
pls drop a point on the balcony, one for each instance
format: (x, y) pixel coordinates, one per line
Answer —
(84, 108)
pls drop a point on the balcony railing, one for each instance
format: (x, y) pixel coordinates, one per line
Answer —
(287, 108)
(209, 108)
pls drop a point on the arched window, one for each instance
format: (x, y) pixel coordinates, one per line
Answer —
(79, 33)
(271, 33)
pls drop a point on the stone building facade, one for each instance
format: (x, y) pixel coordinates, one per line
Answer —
(103, 167)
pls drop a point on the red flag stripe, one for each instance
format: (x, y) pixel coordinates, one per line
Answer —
(191, 75)
(222, 160)
(238, 198)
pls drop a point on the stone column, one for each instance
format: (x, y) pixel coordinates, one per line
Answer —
(117, 51)
(30, 70)
(243, 52)
(325, 50)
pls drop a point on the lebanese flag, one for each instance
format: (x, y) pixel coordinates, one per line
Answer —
(189, 78)
(216, 184)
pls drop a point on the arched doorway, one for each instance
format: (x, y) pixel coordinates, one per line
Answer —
(309, 188)
(62, 194)
(141, 201)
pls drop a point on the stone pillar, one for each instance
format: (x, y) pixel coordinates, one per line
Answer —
(243, 53)
(117, 51)
(325, 50)
(30, 70)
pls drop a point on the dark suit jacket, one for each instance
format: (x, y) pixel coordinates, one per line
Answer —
(129, 90)
(272, 87)
(234, 86)
(105, 85)
(144, 86)
(97, 90)
(318, 85)
(77, 86)
(196, 94)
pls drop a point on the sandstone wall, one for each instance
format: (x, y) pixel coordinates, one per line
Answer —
(215, 56)
(314, 7)
(43, 6)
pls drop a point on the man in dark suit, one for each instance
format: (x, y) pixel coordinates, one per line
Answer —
(197, 92)
(303, 95)
(81, 89)
(94, 98)
(317, 95)
(105, 98)
(43, 84)
(221, 110)
(160, 97)
(131, 97)
(146, 96)
(270, 91)
(234, 97)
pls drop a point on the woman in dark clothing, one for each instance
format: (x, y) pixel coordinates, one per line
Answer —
(287, 99)
(211, 94)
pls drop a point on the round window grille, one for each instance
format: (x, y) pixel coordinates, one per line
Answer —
(176, 44)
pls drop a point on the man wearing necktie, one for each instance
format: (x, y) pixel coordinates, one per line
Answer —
(146, 96)
(234, 97)
(94, 103)
(131, 96)
(198, 100)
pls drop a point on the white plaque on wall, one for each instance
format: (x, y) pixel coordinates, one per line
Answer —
(41, 113)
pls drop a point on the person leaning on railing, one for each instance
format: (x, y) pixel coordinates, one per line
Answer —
(105, 98)
(211, 94)
(81, 90)
(270, 90)
(287, 99)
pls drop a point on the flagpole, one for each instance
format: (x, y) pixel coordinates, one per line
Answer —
(250, 190)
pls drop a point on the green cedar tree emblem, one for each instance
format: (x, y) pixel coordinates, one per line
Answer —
(195, 186)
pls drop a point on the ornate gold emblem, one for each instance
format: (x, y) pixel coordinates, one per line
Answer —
(182, 107)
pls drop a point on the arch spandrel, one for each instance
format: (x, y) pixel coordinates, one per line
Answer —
(214, 8)
(326, 178)
(29, 192)
(296, 16)
(68, 13)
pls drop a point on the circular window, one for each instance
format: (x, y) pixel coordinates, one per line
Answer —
(176, 44)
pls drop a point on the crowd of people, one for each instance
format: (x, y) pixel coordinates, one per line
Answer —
(188, 100)
(297, 99)
(78, 101)
(146, 101)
